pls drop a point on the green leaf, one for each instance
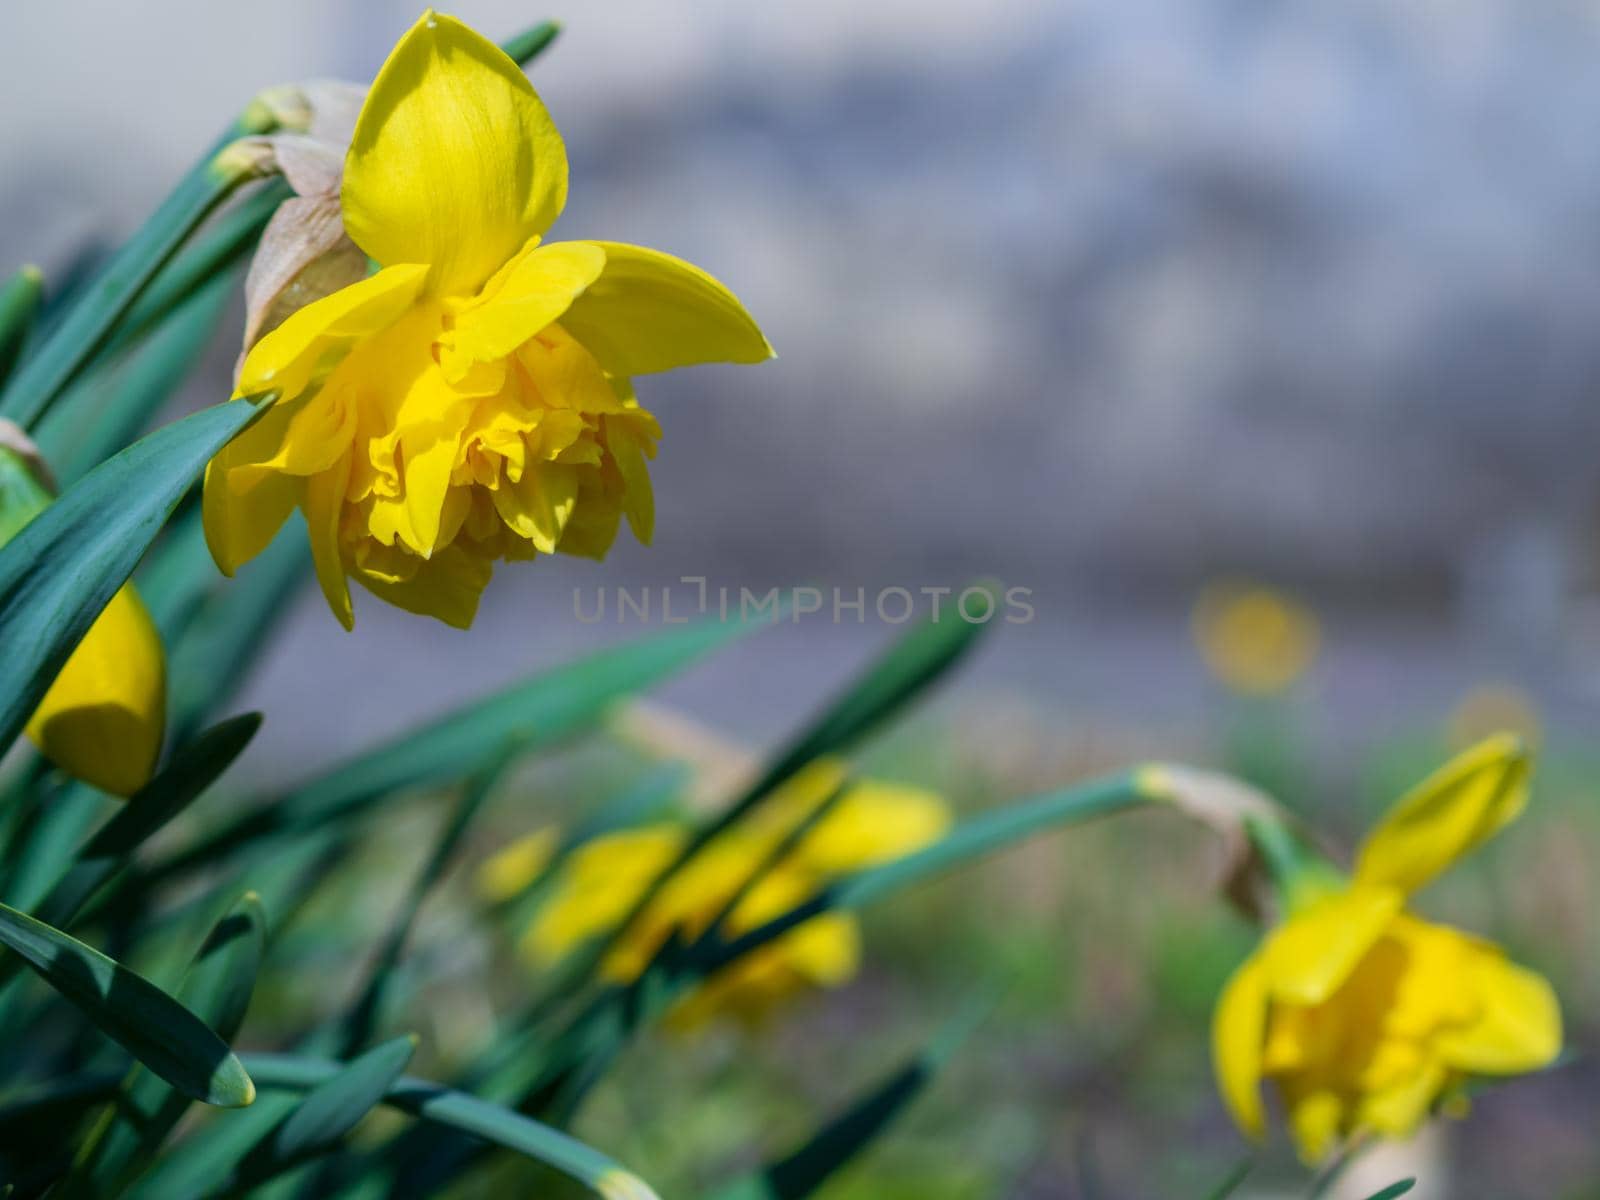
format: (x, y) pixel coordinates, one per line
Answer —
(544, 711)
(189, 772)
(217, 989)
(108, 408)
(365, 1012)
(222, 979)
(61, 819)
(64, 567)
(87, 326)
(802, 1172)
(1231, 1181)
(224, 243)
(70, 1095)
(1394, 1190)
(192, 770)
(132, 1011)
(476, 1118)
(199, 1165)
(19, 305)
(213, 657)
(530, 43)
(328, 1112)
(178, 576)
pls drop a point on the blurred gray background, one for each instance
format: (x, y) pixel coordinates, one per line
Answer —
(1102, 298)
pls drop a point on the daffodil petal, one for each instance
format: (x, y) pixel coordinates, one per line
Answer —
(1519, 1023)
(1315, 1119)
(103, 719)
(1397, 1111)
(239, 527)
(1313, 952)
(591, 530)
(533, 291)
(630, 452)
(826, 949)
(241, 511)
(285, 360)
(446, 587)
(1448, 815)
(454, 162)
(565, 375)
(539, 505)
(428, 466)
(510, 870)
(1237, 1034)
(649, 311)
(321, 499)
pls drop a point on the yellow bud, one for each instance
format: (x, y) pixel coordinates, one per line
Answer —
(104, 717)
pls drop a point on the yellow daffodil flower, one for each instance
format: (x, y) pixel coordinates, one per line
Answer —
(1254, 639)
(104, 716)
(470, 401)
(603, 879)
(1365, 1016)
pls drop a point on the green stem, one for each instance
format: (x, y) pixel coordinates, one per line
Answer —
(1299, 874)
(87, 327)
(234, 234)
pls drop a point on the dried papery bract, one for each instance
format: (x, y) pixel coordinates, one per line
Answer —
(304, 253)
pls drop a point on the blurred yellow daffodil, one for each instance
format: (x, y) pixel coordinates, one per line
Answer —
(602, 880)
(470, 401)
(1365, 1016)
(104, 717)
(1254, 639)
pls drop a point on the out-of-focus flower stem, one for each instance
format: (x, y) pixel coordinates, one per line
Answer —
(1299, 874)
(19, 304)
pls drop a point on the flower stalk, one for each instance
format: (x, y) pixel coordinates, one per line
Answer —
(88, 326)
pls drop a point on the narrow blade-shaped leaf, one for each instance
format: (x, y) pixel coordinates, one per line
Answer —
(364, 1014)
(64, 567)
(89, 323)
(151, 1025)
(801, 1172)
(218, 648)
(217, 989)
(327, 1113)
(466, 1114)
(192, 769)
(107, 408)
(547, 709)
(1232, 1180)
